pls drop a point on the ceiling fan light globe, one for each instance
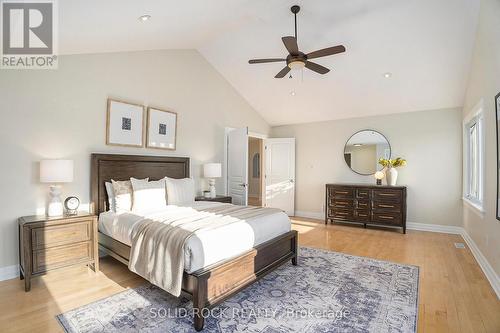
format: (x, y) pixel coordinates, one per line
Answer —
(296, 64)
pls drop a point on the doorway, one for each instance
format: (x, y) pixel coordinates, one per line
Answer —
(255, 174)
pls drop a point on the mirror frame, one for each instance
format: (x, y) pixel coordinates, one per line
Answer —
(497, 118)
(364, 130)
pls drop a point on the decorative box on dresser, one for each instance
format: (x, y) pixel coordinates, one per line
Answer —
(366, 204)
(219, 198)
(48, 243)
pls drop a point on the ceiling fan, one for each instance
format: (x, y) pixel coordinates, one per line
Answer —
(297, 59)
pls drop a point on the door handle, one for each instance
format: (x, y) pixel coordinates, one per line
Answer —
(244, 185)
(292, 181)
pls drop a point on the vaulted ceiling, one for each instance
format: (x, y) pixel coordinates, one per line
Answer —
(426, 46)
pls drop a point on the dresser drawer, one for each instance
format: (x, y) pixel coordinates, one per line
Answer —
(388, 195)
(341, 192)
(387, 206)
(55, 257)
(363, 193)
(341, 203)
(341, 214)
(61, 234)
(363, 204)
(387, 218)
(362, 215)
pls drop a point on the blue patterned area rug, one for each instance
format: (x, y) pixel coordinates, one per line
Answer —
(327, 292)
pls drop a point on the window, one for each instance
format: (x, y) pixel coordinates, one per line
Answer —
(474, 159)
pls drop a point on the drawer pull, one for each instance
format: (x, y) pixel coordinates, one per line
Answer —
(386, 206)
(362, 215)
(386, 217)
(342, 213)
(341, 192)
(387, 194)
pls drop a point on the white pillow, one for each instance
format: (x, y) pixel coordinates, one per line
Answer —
(123, 194)
(148, 195)
(180, 191)
(111, 196)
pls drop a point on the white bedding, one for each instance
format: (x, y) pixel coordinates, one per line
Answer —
(204, 248)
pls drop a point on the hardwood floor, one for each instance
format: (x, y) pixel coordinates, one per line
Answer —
(454, 293)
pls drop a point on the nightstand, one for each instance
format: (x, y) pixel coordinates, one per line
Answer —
(49, 243)
(218, 198)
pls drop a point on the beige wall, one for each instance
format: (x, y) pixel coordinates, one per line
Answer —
(61, 114)
(484, 83)
(429, 140)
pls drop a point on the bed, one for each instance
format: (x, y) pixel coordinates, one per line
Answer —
(253, 250)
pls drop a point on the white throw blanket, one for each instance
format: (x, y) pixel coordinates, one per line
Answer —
(157, 251)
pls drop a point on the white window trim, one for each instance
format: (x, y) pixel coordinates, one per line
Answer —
(478, 113)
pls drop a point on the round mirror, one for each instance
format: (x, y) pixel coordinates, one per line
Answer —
(363, 150)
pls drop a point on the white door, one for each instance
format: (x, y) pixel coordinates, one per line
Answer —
(237, 165)
(280, 174)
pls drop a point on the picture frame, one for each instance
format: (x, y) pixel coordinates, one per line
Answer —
(124, 124)
(161, 129)
(497, 122)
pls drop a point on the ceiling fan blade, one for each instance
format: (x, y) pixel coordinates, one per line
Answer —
(262, 61)
(316, 68)
(283, 72)
(326, 52)
(291, 44)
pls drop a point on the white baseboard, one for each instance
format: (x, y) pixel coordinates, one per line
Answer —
(446, 229)
(310, 215)
(490, 273)
(9, 272)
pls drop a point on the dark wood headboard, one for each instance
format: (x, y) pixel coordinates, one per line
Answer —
(121, 167)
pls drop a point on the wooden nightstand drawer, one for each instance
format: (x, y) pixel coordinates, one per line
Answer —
(55, 257)
(61, 234)
(47, 243)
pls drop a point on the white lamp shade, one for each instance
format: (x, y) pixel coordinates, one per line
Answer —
(212, 170)
(56, 171)
(379, 175)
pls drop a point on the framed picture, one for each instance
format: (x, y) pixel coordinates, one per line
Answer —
(125, 124)
(161, 129)
(497, 118)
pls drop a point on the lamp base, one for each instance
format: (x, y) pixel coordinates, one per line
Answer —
(211, 183)
(55, 205)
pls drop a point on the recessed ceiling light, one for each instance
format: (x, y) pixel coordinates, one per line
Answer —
(387, 75)
(292, 93)
(144, 18)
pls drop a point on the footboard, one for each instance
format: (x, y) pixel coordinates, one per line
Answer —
(214, 284)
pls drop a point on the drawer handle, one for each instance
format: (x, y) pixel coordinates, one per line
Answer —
(386, 206)
(386, 217)
(341, 192)
(363, 215)
(340, 213)
(387, 194)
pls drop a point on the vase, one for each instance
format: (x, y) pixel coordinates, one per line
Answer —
(391, 174)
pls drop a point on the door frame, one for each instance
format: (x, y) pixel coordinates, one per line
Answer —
(225, 162)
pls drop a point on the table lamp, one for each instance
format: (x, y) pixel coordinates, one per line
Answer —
(379, 175)
(54, 172)
(212, 171)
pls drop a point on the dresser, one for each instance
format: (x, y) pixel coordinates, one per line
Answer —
(366, 204)
(219, 198)
(47, 243)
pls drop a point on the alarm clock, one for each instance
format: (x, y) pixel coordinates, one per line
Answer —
(71, 204)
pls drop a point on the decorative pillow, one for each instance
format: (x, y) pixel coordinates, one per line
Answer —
(180, 191)
(123, 194)
(111, 196)
(148, 195)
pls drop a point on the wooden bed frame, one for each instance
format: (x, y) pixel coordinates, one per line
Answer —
(211, 285)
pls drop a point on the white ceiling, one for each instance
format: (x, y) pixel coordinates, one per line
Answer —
(425, 44)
